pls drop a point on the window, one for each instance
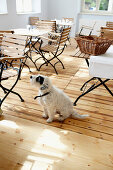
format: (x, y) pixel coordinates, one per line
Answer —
(3, 7)
(28, 6)
(97, 6)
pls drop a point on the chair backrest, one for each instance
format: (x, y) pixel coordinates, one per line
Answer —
(46, 25)
(109, 24)
(106, 32)
(86, 30)
(33, 20)
(68, 19)
(13, 45)
(65, 35)
(2, 33)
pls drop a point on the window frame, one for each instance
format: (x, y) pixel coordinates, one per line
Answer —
(6, 9)
(22, 8)
(97, 11)
(33, 11)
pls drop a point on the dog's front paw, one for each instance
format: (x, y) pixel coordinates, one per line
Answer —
(49, 120)
(61, 119)
(44, 116)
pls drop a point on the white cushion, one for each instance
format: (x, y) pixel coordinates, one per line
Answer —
(102, 65)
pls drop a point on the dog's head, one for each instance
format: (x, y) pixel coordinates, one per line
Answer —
(40, 81)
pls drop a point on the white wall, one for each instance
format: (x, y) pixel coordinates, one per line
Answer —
(90, 19)
(13, 20)
(64, 8)
(72, 8)
(51, 9)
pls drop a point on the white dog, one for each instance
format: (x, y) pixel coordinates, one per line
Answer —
(53, 100)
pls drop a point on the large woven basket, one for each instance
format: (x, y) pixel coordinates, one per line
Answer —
(93, 45)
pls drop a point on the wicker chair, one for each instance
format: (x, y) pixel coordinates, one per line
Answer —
(54, 47)
(11, 62)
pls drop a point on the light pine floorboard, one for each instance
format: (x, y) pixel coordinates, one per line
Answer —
(27, 142)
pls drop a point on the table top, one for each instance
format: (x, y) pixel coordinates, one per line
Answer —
(102, 65)
(106, 58)
(31, 32)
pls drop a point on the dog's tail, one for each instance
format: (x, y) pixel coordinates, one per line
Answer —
(78, 116)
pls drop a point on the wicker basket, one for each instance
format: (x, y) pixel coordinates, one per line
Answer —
(93, 45)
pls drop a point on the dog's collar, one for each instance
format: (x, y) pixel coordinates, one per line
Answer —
(45, 94)
(44, 87)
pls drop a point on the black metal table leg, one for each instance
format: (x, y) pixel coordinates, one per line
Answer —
(90, 89)
(10, 90)
(94, 86)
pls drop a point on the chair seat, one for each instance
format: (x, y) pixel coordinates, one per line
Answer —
(49, 48)
(54, 47)
(102, 65)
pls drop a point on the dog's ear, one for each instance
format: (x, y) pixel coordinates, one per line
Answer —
(40, 79)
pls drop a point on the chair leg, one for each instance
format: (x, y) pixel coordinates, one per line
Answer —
(60, 62)
(24, 64)
(43, 59)
(50, 64)
(33, 63)
(47, 62)
(69, 40)
(30, 56)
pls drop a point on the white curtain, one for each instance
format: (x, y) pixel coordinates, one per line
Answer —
(23, 6)
(3, 6)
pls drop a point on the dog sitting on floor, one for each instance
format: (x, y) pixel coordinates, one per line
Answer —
(53, 100)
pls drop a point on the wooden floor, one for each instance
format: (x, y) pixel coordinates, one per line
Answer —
(27, 142)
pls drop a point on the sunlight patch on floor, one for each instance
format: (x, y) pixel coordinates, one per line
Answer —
(51, 139)
(40, 159)
(82, 73)
(27, 165)
(9, 124)
(41, 164)
(48, 153)
(64, 132)
(68, 59)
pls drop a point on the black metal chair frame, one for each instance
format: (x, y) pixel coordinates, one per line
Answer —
(30, 45)
(82, 30)
(92, 87)
(55, 55)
